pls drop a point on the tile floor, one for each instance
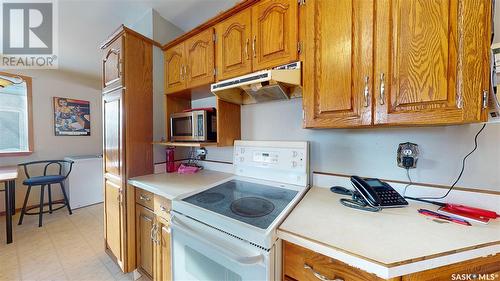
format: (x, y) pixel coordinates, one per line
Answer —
(65, 248)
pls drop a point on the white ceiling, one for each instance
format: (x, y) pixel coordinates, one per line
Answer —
(84, 24)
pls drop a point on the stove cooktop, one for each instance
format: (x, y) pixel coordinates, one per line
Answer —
(252, 203)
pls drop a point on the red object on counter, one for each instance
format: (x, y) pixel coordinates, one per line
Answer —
(170, 160)
(473, 211)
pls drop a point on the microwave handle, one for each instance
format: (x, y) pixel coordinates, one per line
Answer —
(224, 249)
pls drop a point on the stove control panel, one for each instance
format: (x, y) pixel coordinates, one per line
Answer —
(278, 161)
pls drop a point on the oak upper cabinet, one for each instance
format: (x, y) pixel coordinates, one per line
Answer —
(175, 69)
(233, 45)
(144, 245)
(112, 70)
(337, 63)
(431, 61)
(200, 65)
(275, 32)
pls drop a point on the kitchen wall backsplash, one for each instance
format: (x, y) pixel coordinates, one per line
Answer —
(372, 152)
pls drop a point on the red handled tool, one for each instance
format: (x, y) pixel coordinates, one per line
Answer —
(461, 210)
(430, 213)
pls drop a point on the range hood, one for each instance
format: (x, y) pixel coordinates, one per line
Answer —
(279, 83)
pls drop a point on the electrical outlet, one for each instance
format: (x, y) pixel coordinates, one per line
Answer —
(201, 153)
(407, 155)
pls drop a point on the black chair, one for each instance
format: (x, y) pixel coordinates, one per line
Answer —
(42, 181)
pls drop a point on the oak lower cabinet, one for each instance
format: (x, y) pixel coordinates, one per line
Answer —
(127, 106)
(303, 264)
(153, 235)
(144, 221)
(162, 260)
(409, 63)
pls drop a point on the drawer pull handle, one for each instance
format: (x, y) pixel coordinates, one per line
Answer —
(319, 275)
(164, 209)
(145, 198)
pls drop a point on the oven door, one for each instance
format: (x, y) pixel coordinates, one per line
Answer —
(200, 252)
(182, 127)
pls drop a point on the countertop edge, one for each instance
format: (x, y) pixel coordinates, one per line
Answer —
(383, 270)
(150, 188)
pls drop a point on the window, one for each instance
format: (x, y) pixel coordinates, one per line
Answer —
(16, 136)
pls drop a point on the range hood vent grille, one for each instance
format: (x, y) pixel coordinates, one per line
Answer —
(276, 84)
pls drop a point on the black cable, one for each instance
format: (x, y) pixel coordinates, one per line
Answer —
(409, 179)
(463, 167)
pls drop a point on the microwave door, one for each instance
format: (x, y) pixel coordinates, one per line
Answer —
(182, 127)
(200, 126)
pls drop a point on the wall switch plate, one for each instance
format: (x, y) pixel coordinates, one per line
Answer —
(407, 155)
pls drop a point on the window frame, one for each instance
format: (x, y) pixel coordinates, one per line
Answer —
(30, 150)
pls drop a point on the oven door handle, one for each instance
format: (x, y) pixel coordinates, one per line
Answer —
(245, 260)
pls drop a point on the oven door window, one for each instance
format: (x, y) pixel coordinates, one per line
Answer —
(182, 126)
(195, 259)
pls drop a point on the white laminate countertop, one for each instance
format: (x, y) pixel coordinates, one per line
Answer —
(171, 185)
(389, 243)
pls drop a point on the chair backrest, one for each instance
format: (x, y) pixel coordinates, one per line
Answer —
(47, 164)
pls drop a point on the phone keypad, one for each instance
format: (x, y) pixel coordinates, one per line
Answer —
(390, 197)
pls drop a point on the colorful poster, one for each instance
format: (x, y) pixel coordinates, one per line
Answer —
(71, 117)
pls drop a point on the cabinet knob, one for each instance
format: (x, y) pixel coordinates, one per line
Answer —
(366, 92)
(253, 46)
(320, 276)
(246, 48)
(382, 89)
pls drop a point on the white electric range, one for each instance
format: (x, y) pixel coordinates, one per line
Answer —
(228, 230)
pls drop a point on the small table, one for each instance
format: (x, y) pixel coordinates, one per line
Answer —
(8, 176)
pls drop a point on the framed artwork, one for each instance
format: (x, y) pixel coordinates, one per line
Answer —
(71, 117)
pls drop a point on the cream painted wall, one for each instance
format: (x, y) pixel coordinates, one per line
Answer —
(372, 152)
(56, 83)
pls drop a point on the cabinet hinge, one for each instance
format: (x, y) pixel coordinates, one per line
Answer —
(214, 37)
(303, 115)
(299, 47)
(485, 99)
(215, 71)
(301, 2)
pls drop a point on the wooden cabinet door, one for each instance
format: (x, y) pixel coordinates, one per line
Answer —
(338, 63)
(113, 134)
(200, 59)
(144, 222)
(163, 267)
(175, 70)
(432, 58)
(275, 32)
(233, 45)
(113, 220)
(112, 64)
(303, 264)
(113, 174)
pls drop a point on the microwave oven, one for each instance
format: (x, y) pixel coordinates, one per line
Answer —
(194, 125)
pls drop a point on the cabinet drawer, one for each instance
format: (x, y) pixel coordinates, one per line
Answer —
(303, 264)
(144, 198)
(162, 207)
